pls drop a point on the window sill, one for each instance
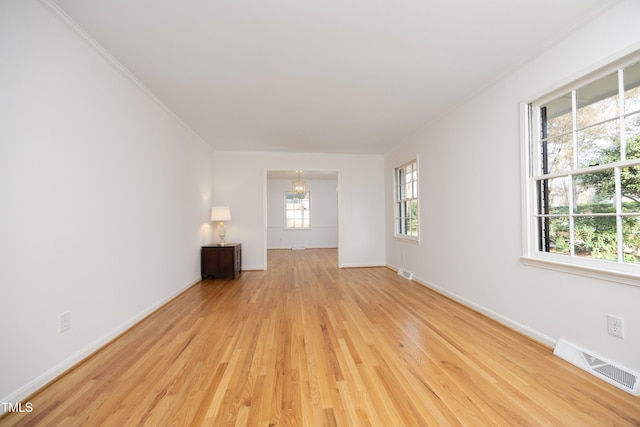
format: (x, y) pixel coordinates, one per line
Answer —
(618, 276)
(407, 238)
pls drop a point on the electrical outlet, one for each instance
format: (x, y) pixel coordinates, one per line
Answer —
(64, 322)
(615, 325)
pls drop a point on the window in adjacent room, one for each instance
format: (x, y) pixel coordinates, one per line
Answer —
(406, 200)
(297, 210)
(583, 172)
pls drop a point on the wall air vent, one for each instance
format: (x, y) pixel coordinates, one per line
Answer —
(616, 375)
(406, 274)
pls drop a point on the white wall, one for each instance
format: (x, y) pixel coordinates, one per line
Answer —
(104, 198)
(323, 232)
(240, 182)
(471, 197)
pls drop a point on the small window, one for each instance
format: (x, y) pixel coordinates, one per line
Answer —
(584, 172)
(406, 200)
(297, 210)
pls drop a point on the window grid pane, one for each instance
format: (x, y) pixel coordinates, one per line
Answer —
(297, 210)
(631, 239)
(632, 88)
(598, 101)
(582, 213)
(632, 137)
(406, 211)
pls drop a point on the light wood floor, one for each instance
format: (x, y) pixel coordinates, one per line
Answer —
(307, 344)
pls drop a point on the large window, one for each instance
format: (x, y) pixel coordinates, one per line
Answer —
(584, 172)
(406, 200)
(297, 210)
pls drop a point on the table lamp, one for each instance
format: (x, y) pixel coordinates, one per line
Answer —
(221, 214)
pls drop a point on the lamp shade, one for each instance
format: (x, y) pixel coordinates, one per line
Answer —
(220, 213)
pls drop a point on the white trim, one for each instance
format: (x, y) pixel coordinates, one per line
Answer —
(287, 210)
(265, 220)
(93, 43)
(253, 268)
(360, 265)
(42, 380)
(525, 183)
(506, 321)
(414, 239)
(616, 276)
(265, 199)
(278, 248)
(395, 200)
(619, 271)
(621, 58)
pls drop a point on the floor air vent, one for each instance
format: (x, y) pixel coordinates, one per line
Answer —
(406, 274)
(622, 378)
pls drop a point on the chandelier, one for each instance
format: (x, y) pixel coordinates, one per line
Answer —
(299, 187)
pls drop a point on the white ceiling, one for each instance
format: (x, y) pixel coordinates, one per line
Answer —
(333, 76)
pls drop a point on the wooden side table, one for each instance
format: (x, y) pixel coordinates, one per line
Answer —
(221, 261)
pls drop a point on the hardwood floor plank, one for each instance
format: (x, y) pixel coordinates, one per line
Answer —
(308, 344)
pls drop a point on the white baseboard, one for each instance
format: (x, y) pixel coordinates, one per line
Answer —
(253, 268)
(53, 373)
(350, 265)
(39, 382)
(278, 248)
(510, 323)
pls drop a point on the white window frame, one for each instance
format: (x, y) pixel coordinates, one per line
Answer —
(399, 199)
(620, 272)
(305, 213)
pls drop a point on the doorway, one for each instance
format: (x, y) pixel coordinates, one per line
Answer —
(321, 210)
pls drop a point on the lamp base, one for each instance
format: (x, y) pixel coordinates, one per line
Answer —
(222, 231)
